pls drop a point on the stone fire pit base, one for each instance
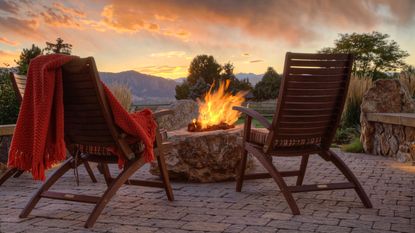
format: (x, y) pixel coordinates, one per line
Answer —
(203, 156)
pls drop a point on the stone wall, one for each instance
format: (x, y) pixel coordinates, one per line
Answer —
(394, 140)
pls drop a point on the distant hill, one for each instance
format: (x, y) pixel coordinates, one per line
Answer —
(144, 87)
(253, 78)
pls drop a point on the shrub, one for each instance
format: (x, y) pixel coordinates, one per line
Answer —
(354, 147)
(8, 103)
(345, 135)
(351, 113)
(123, 94)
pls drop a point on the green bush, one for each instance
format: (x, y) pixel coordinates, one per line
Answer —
(345, 135)
(354, 147)
(9, 106)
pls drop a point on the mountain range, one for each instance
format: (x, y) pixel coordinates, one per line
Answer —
(153, 89)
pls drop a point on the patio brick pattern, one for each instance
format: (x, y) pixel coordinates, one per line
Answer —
(260, 206)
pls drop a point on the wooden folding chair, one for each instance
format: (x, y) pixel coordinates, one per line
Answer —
(19, 85)
(310, 103)
(89, 130)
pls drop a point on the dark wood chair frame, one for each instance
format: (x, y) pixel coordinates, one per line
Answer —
(78, 75)
(19, 85)
(310, 103)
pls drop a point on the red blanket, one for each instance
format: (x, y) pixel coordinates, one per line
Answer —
(38, 140)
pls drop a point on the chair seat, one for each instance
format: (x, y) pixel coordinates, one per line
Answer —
(259, 136)
(137, 148)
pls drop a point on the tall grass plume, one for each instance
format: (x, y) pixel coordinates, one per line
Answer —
(123, 94)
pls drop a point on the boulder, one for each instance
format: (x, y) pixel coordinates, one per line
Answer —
(203, 156)
(184, 112)
(386, 96)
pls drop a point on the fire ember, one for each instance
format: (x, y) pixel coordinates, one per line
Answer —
(215, 111)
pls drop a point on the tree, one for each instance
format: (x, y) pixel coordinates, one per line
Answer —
(8, 102)
(204, 70)
(205, 67)
(199, 89)
(25, 56)
(374, 54)
(269, 85)
(182, 90)
(59, 47)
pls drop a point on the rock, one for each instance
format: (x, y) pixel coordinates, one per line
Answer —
(406, 152)
(386, 96)
(203, 156)
(184, 112)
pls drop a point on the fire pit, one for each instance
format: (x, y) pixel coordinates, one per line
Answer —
(210, 148)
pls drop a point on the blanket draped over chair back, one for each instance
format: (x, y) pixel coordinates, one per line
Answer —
(38, 142)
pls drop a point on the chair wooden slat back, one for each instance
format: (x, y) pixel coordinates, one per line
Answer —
(311, 99)
(19, 85)
(88, 118)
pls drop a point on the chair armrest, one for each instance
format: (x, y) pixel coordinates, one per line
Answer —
(253, 114)
(162, 112)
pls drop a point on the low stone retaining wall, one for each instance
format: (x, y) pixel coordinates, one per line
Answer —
(393, 135)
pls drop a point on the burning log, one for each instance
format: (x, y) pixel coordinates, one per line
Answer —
(215, 110)
(195, 126)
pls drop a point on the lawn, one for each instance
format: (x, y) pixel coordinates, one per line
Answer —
(241, 120)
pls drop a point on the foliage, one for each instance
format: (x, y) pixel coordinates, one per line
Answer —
(407, 77)
(374, 54)
(8, 102)
(204, 70)
(354, 147)
(268, 87)
(25, 56)
(198, 89)
(345, 135)
(59, 47)
(204, 67)
(123, 94)
(357, 88)
(183, 90)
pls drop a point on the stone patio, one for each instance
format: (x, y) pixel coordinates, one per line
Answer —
(260, 207)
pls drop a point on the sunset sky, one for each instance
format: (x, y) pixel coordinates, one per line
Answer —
(161, 37)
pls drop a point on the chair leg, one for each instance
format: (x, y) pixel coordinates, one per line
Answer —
(112, 189)
(7, 174)
(275, 174)
(106, 172)
(67, 165)
(90, 172)
(241, 171)
(18, 174)
(165, 175)
(303, 166)
(335, 159)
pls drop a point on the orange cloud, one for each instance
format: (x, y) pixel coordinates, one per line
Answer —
(165, 71)
(22, 27)
(293, 21)
(9, 6)
(4, 40)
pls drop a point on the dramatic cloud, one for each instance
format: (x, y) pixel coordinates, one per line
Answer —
(22, 27)
(9, 6)
(61, 16)
(293, 21)
(171, 71)
(4, 40)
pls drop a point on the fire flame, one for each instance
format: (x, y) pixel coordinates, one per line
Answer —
(216, 108)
